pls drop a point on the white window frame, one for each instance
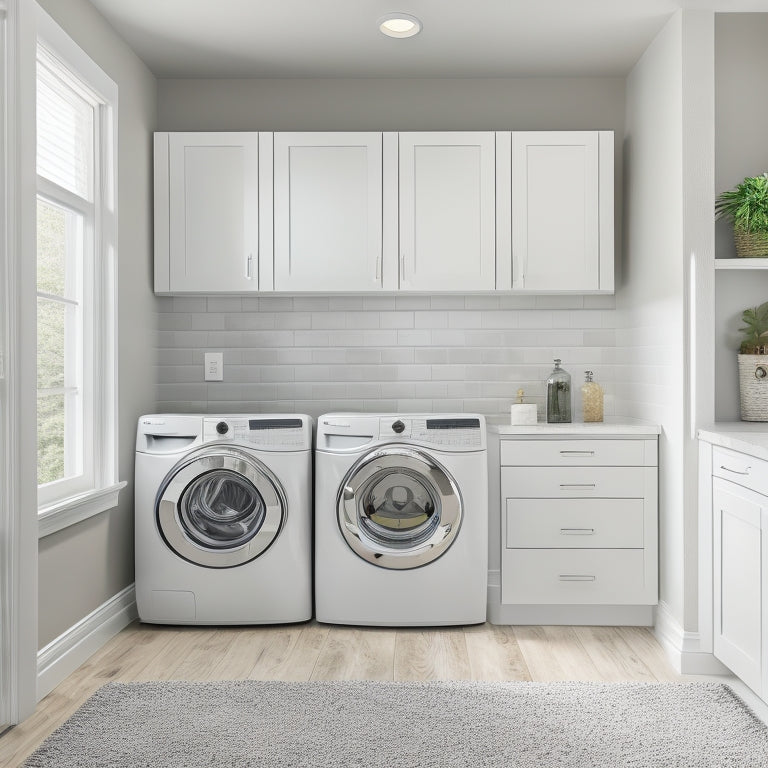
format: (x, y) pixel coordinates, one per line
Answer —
(68, 501)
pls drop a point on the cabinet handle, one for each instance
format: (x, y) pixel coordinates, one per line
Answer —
(735, 471)
(577, 531)
(402, 267)
(248, 262)
(577, 453)
(378, 266)
(577, 485)
(576, 577)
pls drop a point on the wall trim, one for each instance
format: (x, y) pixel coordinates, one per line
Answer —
(69, 650)
(684, 649)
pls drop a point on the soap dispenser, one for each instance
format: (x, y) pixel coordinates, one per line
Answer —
(523, 414)
(591, 398)
(559, 396)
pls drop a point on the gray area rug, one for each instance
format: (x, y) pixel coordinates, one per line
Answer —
(244, 724)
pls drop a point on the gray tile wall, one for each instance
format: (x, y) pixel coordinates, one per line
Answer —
(379, 353)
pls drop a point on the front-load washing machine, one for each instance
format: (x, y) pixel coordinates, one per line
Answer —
(401, 519)
(224, 519)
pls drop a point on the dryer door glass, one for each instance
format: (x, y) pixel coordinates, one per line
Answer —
(220, 507)
(221, 510)
(399, 508)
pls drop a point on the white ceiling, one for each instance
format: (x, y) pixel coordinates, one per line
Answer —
(340, 38)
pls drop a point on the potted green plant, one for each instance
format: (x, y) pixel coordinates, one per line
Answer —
(747, 206)
(753, 364)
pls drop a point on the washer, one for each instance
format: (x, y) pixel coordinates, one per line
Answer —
(401, 519)
(224, 519)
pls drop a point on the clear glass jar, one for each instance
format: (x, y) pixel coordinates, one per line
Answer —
(591, 399)
(559, 396)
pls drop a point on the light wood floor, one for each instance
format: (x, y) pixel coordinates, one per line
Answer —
(320, 652)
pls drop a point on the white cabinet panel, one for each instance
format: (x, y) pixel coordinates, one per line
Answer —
(578, 482)
(575, 576)
(210, 185)
(562, 211)
(447, 211)
(740, 617)
(578, 453)
(328, 211)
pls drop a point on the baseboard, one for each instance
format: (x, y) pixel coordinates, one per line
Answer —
(684, 649)
(62, 656)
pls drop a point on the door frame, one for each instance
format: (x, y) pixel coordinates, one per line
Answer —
(18, 501)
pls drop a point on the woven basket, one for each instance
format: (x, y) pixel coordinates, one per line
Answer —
(753, 387)
(750, 245)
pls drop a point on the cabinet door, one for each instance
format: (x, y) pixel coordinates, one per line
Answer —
(213, 211)
(447, 211)
(562, 211)
(328, 211)
(739, 594)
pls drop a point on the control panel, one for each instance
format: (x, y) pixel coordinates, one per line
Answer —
(457, 432)
(279, 433)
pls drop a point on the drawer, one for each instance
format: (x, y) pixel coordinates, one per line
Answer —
(575, 577)
(578, 482)
(575, 524)
(740, 468)
(579, 453)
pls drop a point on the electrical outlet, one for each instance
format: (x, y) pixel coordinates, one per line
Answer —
(214, 366)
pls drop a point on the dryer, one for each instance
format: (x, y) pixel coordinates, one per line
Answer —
(224, 519)
(401, 519)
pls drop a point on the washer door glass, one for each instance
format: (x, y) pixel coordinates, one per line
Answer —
(398, 508)
(221, 510)
(220, 507)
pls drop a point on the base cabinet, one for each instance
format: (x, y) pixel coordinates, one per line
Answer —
(579, 522)
(740, 567)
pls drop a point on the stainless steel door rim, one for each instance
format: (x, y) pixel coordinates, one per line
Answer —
(257, 529)
(384, 522)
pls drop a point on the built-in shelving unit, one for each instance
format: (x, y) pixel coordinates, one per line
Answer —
(741, 263)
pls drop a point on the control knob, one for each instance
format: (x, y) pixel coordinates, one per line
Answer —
(398, 427)
(222, 427)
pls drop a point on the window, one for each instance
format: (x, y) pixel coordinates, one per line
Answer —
(76, 228)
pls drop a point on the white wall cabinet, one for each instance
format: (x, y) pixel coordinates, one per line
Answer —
(579, 522)
(740, 567)
(527, 212)
(207, 197)
(328, 208)
(559, 211)
(447, 215)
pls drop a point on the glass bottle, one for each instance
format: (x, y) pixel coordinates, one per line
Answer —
(592, 399)
(559, 396)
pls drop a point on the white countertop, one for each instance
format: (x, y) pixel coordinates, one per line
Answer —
(609, 428)
(749, 437)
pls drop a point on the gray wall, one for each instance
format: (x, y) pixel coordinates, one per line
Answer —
(82, 566)
(741, 149)
(315, 354)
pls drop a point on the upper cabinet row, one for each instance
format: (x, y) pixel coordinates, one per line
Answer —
(364, 212)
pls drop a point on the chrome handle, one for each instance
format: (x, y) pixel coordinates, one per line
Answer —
(577, 531)
(378, 267)
(248, 263)
(402, 267)
(735, 471)
(576, 577)
(577, 485)
(577, 453)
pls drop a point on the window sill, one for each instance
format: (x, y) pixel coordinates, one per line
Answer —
(64, 513)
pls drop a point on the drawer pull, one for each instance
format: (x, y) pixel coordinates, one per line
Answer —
(575, 577)
(735, 471)
(577, 531)
(577, 453)
(577, 485)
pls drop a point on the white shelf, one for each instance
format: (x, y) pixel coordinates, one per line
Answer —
(738, 263)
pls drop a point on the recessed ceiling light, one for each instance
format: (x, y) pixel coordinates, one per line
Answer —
(399, 25)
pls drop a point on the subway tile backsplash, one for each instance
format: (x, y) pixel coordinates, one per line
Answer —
(380, 353)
